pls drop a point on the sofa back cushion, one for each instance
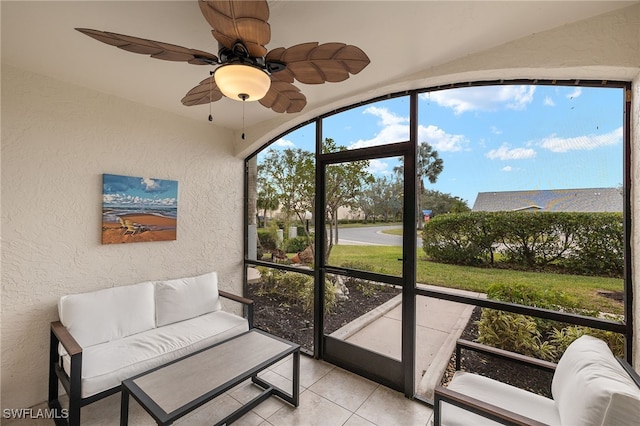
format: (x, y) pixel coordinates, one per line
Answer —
(185, 298)
(104, 315)
(590, 387)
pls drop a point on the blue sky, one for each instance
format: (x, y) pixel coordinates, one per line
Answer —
(495, 138)
(123, 191)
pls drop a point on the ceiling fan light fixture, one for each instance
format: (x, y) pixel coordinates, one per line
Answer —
(242, 82)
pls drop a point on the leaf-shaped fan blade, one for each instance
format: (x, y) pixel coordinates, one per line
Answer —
(156, 49)
(314, 63)
(284, 97)
(234, 20)
(205, 92)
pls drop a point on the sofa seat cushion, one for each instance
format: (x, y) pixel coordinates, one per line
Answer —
(591, 388)
(106, 365)
(499, 394)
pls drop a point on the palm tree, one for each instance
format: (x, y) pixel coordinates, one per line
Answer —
(429, 165)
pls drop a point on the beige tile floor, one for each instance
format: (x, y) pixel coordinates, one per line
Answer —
(328, 396)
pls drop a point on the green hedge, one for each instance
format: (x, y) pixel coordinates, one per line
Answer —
(585, 243)
(599, 245)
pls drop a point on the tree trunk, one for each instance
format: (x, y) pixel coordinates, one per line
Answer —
(329, 240)
(252, 196)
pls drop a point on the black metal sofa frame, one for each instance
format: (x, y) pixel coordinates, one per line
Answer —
(72, 383)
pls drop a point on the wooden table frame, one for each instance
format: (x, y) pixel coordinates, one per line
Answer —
(135, 386)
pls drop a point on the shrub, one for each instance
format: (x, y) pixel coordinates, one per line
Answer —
(562, 338)
(300, 231)
(531, 336)
(454, 239)
(267, 239)
(532, 296)
(599, 245)
(367, 288)
(513, 332)
(295, 245)
(294, 288)
(532, 239)
(585, 243)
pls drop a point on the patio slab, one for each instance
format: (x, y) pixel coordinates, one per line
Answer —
(439, 323)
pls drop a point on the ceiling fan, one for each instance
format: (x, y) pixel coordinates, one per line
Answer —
(245, 70)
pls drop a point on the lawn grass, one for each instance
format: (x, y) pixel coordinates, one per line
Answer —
(398, 231)
(584, 289)
(394, 231)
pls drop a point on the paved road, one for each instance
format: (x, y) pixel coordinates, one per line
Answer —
(370, 235)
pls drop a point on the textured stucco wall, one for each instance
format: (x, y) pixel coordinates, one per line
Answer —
(57, 140)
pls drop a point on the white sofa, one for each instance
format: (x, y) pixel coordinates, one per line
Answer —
(106, 336)
(590, 387)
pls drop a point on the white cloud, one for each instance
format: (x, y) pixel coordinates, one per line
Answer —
(495, 130)
(109, 198)
(576, 92)
(130, 200)
(485, 98)
(441, 140)
(390, 134)
(387, 118)
(379, 167)
(149, 184)
(395, 128)
(284, 143)
(509, 169)
(581, 143)
(548, 101)
(505, 153)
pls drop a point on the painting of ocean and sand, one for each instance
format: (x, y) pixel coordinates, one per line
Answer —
(138, 209)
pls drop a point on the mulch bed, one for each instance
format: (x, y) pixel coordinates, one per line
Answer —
(289, 321)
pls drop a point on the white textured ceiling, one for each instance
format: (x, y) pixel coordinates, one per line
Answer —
(401, 38)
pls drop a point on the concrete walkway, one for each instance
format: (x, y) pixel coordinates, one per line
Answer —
(438, 324)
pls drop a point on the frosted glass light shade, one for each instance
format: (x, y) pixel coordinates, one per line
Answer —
(237, 81)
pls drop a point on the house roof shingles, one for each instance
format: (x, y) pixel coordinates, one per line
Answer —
(553, 200)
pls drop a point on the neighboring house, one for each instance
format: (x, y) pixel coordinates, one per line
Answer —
(551, 200)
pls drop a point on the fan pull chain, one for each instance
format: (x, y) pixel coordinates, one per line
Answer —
(243, 102)
(210, 95)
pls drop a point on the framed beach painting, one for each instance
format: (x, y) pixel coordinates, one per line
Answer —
(138, 209)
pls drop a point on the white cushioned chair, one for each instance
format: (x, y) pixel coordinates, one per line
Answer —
(590, 387)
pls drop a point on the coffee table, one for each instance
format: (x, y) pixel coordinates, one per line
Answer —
(179, 387)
